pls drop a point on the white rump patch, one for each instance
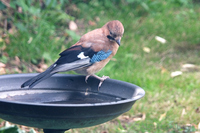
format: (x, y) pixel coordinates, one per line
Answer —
(82, 56)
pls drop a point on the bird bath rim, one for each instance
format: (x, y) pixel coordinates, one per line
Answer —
(57, 117)
(139, 95)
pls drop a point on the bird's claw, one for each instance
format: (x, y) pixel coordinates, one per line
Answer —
(104, 77)
(102, 80)
(86, 78)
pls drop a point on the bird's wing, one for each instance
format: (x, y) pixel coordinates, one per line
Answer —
(78, 56)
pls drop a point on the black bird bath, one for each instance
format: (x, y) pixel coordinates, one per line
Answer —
(64, 102)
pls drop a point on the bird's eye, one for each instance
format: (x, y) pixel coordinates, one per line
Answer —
(113, 35)
(110, 37)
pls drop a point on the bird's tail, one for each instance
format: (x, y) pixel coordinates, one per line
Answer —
(42, 76)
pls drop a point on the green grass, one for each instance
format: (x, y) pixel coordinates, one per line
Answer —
(179, 25)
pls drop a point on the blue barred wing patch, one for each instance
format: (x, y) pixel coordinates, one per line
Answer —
(101, 55)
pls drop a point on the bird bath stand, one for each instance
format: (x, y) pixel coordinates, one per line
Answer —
(64, 102)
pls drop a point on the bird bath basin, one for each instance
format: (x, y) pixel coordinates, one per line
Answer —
(64, 102)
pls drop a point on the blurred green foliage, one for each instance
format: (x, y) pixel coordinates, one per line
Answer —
(137, 7)
(14, 129)
(41, 32)
(39, 23)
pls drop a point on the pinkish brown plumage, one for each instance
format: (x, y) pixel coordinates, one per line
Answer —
(88, 56)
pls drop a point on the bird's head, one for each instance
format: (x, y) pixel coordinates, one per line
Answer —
(115, 31)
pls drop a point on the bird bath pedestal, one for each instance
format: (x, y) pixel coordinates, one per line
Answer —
(64, 102)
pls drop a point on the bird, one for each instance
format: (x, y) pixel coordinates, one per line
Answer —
(87, 56)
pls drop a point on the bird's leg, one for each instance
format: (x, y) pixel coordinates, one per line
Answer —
(101, 79)
(86, 78)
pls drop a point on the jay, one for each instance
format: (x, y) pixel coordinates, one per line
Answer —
(88, 56)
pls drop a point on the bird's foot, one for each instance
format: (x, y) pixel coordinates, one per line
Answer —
(102, 80)
(86, 78)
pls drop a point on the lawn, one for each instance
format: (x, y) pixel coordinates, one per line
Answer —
(171, 103)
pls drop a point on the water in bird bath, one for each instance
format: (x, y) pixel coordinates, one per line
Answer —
(57, 96)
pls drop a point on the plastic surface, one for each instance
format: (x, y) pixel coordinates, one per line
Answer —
(64, 101)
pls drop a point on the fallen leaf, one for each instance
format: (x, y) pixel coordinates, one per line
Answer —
(30, 70)
(97, 19)
(191, 125)
(188, 125)
(57, 38)
(17, 61)
(12, 30)
(176, 73)
(39, 70)
(160, 39)
(128, 119)
(121, 130)
(163, 70)
(162, 116)
(155, 124)
(30, 40)
(5, 2)
(5, 54)
(197, 110)
(146, 49)
(139, 117)
(2, 124)
(3, 47)
(4, 35)
(73, 26)
(92, 23)
(1, 40)
(8, 124)
(43, 66)
(20, 10)
(2, 71)
(2, 65)
(7, 40)
(24, 128)
(189, 67)
(123, 117)
(18, 70)
(183, 112)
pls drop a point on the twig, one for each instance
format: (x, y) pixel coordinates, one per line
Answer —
(5, 3)
(5, 25)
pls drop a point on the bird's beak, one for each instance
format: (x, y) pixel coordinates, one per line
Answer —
(118, 41)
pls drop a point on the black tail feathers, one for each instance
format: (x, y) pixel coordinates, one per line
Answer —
(40, 77)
